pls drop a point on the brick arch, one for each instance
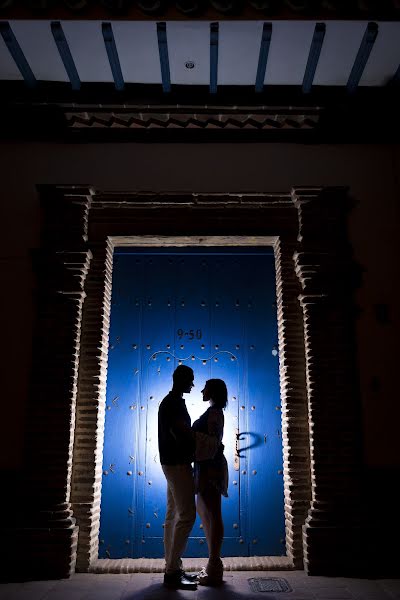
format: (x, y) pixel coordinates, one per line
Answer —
(306, 229)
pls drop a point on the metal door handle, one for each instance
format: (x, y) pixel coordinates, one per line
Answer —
(236, 457)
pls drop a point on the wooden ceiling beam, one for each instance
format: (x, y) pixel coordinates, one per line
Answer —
(112, 54)
(94, 93)
(65, 54)
(361, 59)
(313, 57)
(17, 54)
(263, 56)
(214, 35)
(396, 76)
(164, 58)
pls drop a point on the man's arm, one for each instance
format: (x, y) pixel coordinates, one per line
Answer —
(182, 433)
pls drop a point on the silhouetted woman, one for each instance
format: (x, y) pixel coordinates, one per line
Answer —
(211, 478)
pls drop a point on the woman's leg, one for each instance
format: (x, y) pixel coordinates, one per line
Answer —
(203, 514)
(212, 500)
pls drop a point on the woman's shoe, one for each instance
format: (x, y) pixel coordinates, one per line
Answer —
(210, 580)
(212, 575)
(190, 576)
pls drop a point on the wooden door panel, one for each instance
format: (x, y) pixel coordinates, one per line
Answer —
(214, 312)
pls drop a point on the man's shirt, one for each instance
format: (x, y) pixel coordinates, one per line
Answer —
(175, 440)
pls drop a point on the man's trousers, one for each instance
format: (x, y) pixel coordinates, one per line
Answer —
(180, 515)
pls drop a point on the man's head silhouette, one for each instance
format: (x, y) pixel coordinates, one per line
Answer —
(183, 378)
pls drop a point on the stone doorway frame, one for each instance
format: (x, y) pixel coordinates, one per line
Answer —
(306, 228)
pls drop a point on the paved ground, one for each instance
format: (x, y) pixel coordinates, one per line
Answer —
(148, 586)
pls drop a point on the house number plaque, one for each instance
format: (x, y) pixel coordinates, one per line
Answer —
(191, 334)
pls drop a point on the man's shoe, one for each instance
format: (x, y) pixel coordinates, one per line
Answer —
(178, 581)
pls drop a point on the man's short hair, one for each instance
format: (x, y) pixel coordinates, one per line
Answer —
(182, 373)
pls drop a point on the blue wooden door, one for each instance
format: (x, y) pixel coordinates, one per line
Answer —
(215, 311)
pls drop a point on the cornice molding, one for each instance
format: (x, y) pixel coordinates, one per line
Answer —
(218, 119)
(327, 116)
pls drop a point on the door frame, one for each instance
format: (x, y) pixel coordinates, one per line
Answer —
(306, 229)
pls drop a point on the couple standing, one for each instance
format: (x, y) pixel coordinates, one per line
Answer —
(181, 444)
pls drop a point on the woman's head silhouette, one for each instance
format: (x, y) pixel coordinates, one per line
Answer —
(216, 391)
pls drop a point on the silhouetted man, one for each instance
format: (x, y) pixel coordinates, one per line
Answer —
(176, 445)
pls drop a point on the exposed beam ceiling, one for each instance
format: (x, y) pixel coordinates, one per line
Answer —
(239, 53)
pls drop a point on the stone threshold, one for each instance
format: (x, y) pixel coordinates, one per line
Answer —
(156, 565)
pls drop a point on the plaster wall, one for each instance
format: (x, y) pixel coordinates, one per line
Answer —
(371, 172)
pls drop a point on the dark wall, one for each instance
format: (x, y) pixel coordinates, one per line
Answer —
(371, 172)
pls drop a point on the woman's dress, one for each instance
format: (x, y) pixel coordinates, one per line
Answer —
(211, 470)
